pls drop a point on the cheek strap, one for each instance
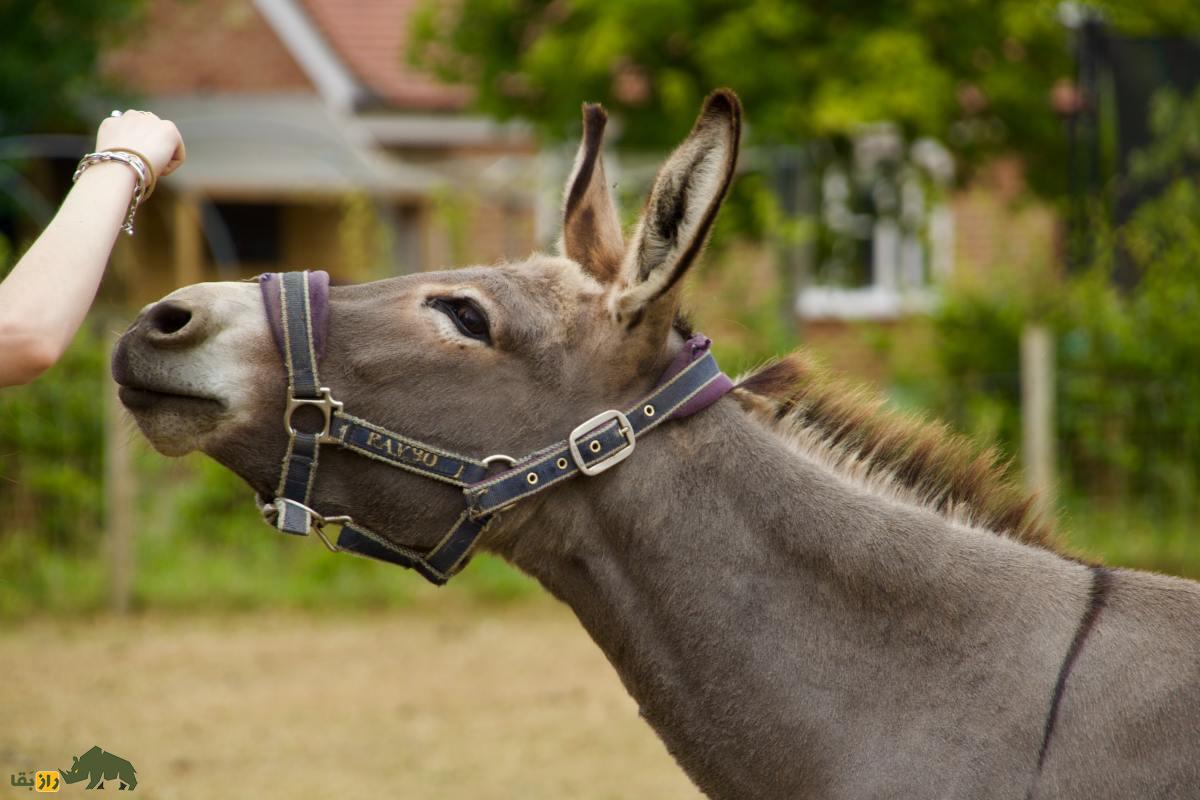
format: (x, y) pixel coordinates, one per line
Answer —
(270, 284)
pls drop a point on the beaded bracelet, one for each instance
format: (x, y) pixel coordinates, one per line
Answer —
(136, 163)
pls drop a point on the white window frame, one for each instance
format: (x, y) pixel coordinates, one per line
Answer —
(900, 283)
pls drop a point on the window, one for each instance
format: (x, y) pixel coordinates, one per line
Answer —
(881, 240)
(243, 233)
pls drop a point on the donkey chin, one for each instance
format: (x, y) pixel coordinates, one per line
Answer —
(189, 364)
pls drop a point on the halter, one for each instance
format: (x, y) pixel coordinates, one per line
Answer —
(297, 305)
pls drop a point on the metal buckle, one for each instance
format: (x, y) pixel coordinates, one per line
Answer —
(613, 458)
(316, 520)
(325, 403)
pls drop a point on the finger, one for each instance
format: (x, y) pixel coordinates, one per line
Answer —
(177, 159)
(180, 154)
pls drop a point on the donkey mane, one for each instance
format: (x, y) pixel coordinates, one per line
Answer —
(850, 430)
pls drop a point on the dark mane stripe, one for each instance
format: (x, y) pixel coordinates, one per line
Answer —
(942, 470)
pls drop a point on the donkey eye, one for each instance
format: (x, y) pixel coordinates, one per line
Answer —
(468, 316)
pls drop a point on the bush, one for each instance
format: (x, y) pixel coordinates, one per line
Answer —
(1128, 392)
(52, 449)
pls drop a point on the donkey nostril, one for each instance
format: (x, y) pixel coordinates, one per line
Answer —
(168, 318)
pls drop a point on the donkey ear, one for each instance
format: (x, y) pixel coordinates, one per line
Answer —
(687, 193)
(591, 228)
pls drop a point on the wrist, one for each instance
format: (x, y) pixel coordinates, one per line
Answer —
(136, 167)
(147, 165)
(112, 174)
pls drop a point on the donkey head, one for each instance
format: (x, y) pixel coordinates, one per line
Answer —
(484, 360)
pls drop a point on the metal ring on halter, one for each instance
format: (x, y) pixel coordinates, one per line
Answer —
(319, 524)
(317, 520)
(487, 462)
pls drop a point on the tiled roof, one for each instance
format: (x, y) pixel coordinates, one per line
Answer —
(238, 143)
(371, 36)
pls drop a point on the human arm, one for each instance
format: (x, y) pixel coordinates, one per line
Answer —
(47, 294)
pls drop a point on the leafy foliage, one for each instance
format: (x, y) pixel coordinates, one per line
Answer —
(976, 75)
(1128, 390)
(48, 61)
(51, 446)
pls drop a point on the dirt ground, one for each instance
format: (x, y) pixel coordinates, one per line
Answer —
(447, 704)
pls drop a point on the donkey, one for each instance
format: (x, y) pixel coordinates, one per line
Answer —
(807, 596)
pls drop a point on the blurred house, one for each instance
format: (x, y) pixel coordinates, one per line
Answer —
(893, 226)
(311, 144)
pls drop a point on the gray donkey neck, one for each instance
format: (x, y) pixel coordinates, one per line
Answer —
(791, 634)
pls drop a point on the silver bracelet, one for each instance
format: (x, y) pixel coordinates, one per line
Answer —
(136, 164)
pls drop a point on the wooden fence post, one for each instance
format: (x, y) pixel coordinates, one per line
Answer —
(118, 496)
(188, 243)
(1037, 414)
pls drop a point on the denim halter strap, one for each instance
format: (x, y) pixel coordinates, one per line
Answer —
(297, 305)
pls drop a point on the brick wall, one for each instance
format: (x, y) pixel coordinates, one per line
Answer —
(998, 232)
(186, 46)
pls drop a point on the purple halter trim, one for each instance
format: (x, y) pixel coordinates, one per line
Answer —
(318, 300)
(693, 349)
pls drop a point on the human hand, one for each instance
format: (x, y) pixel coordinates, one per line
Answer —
(156, 139)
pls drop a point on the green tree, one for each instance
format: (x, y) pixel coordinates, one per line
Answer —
(1128, 393)
(977, 75)
(48, 58)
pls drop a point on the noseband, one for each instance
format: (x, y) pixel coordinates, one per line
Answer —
(297, 305)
